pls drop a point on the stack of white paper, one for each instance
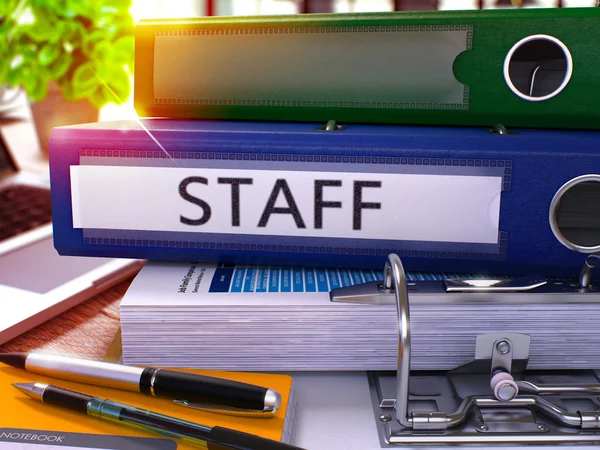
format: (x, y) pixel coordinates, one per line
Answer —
(281, 319)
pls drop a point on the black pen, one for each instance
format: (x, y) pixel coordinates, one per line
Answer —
(213, 438)
(186, 389)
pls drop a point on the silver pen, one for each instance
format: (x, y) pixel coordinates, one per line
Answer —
(210, 394)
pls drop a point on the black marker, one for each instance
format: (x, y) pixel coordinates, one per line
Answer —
(186, 389)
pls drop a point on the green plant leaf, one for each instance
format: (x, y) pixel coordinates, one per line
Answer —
(84, 81)
(39, 92)
(125, 26)
(29, 53)
(110, 28)
(34, 83)
(123, 50)
(84, 75)
(44, 29)
(109, 9)
(74, 33)
(8, 7)
(79, 8)
(67, 90)
(42, 4)
(85, 46)
(17, 76)
(90, 41)
(87, 92)
(103, 51)
(48, 54)
(98, 99)
(65, 12)
(122, 92)
(120, 85)
(3, 73)
(60, 66)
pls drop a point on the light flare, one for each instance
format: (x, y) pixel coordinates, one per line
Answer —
(136, 118)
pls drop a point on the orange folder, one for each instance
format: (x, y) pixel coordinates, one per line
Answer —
(19, 411)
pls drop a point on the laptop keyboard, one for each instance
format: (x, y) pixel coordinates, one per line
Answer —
(23, 208)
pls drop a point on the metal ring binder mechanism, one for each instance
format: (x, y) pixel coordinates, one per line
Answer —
(493, 399)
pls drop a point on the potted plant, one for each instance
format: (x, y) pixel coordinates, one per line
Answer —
(71, 57)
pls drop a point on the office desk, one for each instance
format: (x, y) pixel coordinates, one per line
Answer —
(84, 331)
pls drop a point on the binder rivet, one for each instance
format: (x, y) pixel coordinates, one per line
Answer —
(499, 129)
(503, 347)
(542, 428)
(385, 418)
(331, 125)
(483, 428)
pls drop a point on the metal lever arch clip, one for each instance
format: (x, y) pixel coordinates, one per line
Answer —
(434, 426)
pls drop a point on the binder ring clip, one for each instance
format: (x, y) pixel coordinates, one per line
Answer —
(394, 273)
(438, 427)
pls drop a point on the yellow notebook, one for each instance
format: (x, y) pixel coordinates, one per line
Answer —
(21, 413)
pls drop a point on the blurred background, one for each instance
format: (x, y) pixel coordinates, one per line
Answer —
(173, 8)
(71, 61)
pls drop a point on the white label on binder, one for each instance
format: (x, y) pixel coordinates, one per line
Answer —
(415, 207)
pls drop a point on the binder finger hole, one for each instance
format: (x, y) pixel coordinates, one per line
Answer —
(575, 214)
(538, 67)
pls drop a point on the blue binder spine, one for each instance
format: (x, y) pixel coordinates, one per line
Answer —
(443, 199)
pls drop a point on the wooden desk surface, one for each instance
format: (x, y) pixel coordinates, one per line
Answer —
(85, 331)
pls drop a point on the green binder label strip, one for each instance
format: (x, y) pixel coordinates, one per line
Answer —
(407, 67)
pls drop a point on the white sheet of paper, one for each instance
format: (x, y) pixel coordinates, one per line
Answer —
(277, 330)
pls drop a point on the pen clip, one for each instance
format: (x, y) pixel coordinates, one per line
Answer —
(228, 410)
